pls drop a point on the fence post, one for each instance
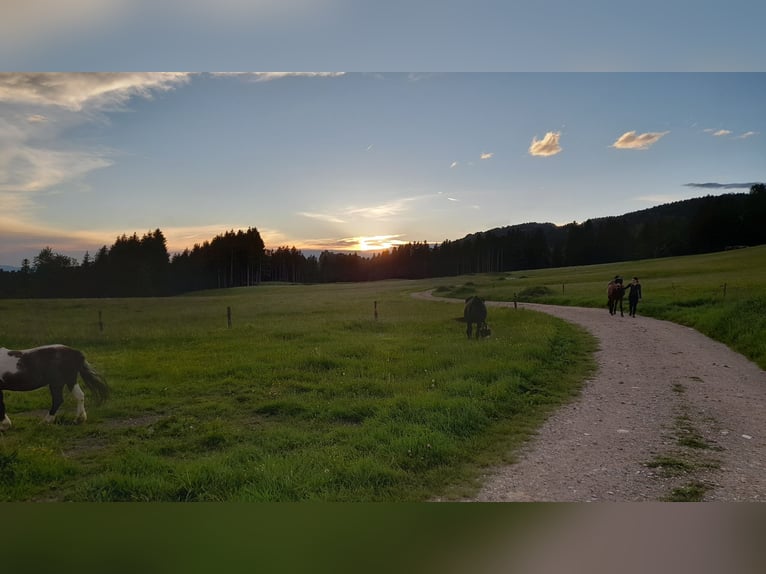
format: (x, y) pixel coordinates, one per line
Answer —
(376, 310)
(100, 322)
(724, 290)
(228, 316)
(515, 301)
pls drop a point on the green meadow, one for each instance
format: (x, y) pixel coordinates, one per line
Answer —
(722, 295)
(307, 396)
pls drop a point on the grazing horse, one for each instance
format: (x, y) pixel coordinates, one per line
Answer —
(57, 367)
(475, 311)
(614, 294)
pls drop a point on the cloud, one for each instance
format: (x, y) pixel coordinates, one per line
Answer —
(713, 185)
(629, 140)
(547, 146)
(747, 135)
(76, 91)
(322, 217)
(487, 155)
(32, 156)
(269, 76)
(453, 164)
(28, 169)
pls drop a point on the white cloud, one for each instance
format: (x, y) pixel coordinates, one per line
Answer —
(269, 76)
(629, 140)
(547, 146)
(76, 91)
(322, 217)
(453, 164)
(28, 169)
(34, 156)
(747, 135)
(487, 155)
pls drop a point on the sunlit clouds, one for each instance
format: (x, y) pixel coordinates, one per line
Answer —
(632, 140)
(76, 91)
(31, 154)
(380, 211)
(487, 155)
(724, 133)
(546, 147)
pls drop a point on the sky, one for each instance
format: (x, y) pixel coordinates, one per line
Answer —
(334, 160)
(420, 120)
(390, 35)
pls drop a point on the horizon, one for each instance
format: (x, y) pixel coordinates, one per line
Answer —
(358, 162)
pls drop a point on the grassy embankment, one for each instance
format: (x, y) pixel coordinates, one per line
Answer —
(722, 295)
(306, 397)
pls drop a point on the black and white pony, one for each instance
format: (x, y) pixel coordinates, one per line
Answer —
(475, 311)
(57, 367)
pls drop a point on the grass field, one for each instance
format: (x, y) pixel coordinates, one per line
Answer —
(309, 397)
(306, 397)
(722, 295)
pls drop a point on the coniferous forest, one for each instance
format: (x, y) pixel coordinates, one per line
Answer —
(142, 266)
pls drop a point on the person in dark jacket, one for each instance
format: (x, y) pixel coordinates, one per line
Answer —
(634, 296)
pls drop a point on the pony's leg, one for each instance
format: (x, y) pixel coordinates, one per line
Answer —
(469, 329)
(57, 396)
(82, 416)
(5, 424)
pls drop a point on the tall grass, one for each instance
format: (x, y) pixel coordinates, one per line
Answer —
(306, 397)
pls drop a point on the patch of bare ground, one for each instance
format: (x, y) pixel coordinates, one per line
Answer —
(669, 415)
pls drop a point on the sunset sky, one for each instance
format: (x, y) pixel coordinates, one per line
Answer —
(362, 159)
(332, 160)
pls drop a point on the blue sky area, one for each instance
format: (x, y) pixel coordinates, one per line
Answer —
(359, 160)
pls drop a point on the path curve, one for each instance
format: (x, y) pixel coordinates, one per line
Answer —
(661, 391)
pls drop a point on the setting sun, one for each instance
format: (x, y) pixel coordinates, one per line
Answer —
(378, 242)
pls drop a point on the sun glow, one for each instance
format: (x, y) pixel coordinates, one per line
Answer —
(378, 242)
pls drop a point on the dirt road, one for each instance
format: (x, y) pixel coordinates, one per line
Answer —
(667, 409)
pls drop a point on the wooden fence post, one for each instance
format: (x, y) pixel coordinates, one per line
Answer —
(515, 301)
(100, 322)
(228, 316)
(376, 310)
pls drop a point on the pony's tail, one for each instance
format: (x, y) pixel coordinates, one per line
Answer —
(94, 382)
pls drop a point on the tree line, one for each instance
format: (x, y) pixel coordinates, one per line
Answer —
(141, 266)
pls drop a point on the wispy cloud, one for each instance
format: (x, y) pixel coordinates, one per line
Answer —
(718, 133)
(31, 154)
(270, 76)
(329, 218)
(487, 155)
(547, 146)
(724, 133)
(379, 212)
(75, 91)
(714, 185)
(630, 140)
(453, 164)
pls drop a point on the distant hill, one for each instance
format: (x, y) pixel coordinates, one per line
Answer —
(9, 268)
(684, 212)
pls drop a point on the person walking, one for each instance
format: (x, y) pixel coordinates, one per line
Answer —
(634, 296)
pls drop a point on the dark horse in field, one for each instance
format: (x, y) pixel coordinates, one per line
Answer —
(57, 367)
(475, 311)
(614, 293)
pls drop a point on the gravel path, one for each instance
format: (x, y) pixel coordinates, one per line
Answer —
(666, 409)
